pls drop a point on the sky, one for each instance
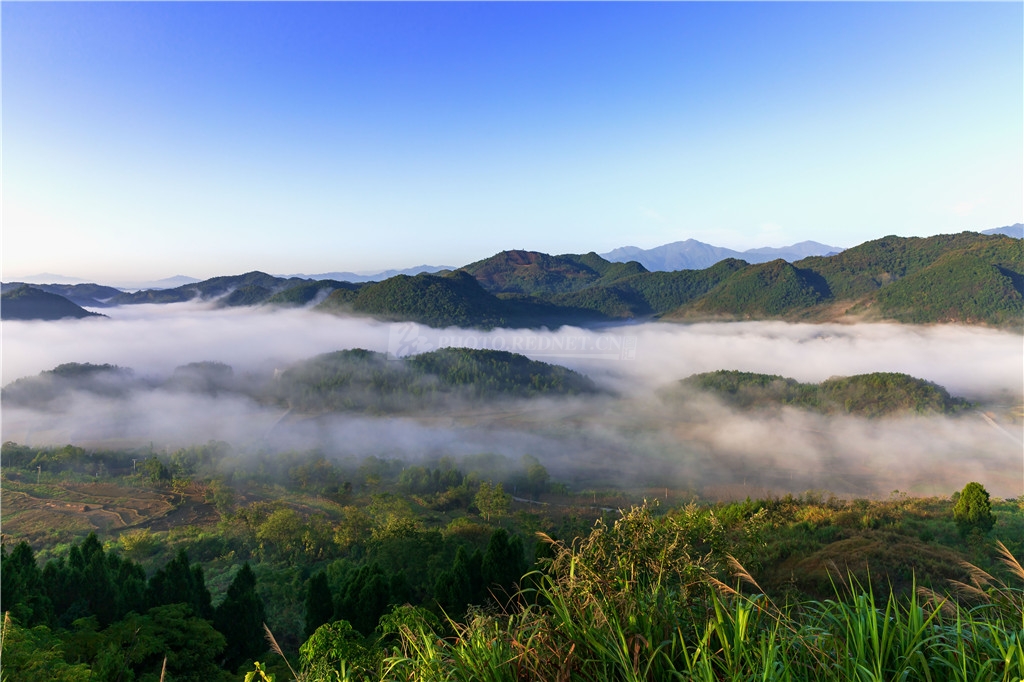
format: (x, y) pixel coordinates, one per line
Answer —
(144, 140)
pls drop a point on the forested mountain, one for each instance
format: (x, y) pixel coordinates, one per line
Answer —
(362, 380)
(91, 295)
(349, 380)
(255, 287)
(877, 394)
(967, 278)
(27, 302)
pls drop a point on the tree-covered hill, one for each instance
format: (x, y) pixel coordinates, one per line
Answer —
(29, 303)
(538, 274)
(967, 278)
(877, 394)
(256, 287)
(301, 294)
(362, 380)
(89, 295)
(763, 290)
(53, 384)
(350, 380)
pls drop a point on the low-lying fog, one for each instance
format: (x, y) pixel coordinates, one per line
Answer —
(632, 436)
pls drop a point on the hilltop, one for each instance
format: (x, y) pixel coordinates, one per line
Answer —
(27, 302)
(966, 278)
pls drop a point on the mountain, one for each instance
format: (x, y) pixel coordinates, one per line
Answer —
(363, 380)
(694, 255)
(968, 278)
(349, 380)
(533, 273)
(249, 289)
(373, 276)
(165, 283)
(1016, 230)
(90, 295)
(878, 394)
(27, 302)
(49, 277)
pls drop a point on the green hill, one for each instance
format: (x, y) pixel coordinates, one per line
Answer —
(41, 390)
(301, 294)
(256, 287)
(538, 274)
(362, 380)
(29, 303)
(966, 278)
(958, 287)
(451, 299)
(764, 290)
(868, 395)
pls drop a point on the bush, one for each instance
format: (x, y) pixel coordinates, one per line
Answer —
(973, 511)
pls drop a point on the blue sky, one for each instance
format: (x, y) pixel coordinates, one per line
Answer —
(152, 139)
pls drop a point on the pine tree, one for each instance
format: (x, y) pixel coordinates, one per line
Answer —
(319, 603)
(240, 619)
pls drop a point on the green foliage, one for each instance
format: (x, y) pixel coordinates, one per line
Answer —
(761, 291)
(336, 651)
(301, 294)
(137, 645)
(973, 510)
(492, 500)
(179, 582)
(319, 603)
(958, 287)
(240, 619)
(36, 654)
(366, 381)
(869, 395)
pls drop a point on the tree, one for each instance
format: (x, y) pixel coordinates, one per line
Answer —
(537, 476)
(503, 563)
(973, 511)
(240, 619)
(319, 603)
(180, 583)
(492, 501)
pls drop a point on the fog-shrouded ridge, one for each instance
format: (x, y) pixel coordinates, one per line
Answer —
(631, 435)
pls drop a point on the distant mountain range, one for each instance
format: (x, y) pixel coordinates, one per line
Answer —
(968, 278)
(1016, 230)
(375, 276)
(694, 255)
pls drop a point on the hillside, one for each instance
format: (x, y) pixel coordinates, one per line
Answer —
(350, 380)
(256, 287)
(360, 380)
(878, 394)
(30, 303)
(534, 273)
(967, 278)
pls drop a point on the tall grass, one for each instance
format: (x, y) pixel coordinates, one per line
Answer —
(640, 601)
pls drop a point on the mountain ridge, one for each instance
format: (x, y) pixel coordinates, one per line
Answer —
(691, 254)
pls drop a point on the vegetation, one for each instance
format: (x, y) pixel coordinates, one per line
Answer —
(973, 511)
(868, 395)
(30, 303)
(381, 569)
(967, 278)
(350, 380)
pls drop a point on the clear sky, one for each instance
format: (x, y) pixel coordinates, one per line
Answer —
(152, 139)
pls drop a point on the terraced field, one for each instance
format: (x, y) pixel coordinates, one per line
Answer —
(49, 513)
